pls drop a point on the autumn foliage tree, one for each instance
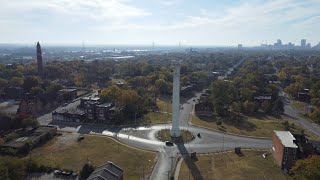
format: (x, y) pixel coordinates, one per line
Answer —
(308, 168)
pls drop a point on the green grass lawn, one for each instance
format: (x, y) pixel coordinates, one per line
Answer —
(71, 154)
(150, 118)
(298, 105)
(164, 105)
(249, 165)
(259, 125)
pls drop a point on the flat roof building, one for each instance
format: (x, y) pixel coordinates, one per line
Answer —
(284, 149)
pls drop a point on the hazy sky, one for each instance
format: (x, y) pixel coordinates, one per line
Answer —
(192, 22)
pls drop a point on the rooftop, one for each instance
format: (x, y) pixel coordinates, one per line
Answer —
(286, 138)
(107, 171)
(68, 90)
(105, 105)
(91, 98)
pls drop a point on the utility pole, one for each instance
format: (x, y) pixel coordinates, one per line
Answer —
(222, 142)
(117, 136)
(135, 118)
(142, 172)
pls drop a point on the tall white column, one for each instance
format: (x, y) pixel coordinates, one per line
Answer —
(175, 130)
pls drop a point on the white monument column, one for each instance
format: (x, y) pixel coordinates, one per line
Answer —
(175, 130)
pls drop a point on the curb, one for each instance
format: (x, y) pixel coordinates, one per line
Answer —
(122, 143)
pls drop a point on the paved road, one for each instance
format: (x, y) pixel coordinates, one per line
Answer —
(290, 111)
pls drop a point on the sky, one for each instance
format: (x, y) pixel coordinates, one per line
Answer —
(164, 22)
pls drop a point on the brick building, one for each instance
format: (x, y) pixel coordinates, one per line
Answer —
(67, 94)
(284, 149)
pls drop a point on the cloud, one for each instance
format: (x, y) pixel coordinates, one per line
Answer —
(169, 2)
(91, 9)
(235, 22)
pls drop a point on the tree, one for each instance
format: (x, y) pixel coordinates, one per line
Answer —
(36, 91)
(16, 81)
(219, 123)
(282, 75)
(223, 94)
(155, 92)
(248, 107)
(86, 170)
(162, 85)
(266, 106)
(4, 174)
(308, 168)
(236, 107)
(278, 106)
(315, 102)
(315, 115)
(30, 82)
(286, 125)
(29, 122)
(1, 141)
(110, 94)
(3, 83)
(54, 88)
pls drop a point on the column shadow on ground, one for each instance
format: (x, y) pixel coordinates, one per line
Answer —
(190, 162)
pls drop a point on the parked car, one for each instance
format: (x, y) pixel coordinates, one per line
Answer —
(199, 135)
(169, 143)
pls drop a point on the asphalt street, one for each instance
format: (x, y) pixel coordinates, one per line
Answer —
(290, 111)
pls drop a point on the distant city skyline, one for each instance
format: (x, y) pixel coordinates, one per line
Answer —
(162, 22)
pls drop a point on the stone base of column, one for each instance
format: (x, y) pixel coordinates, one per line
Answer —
(175, 133)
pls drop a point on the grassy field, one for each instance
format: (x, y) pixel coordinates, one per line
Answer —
(150, 118)
(65, 152)
(164, 105)
(298, 105)
(248, 165)
(259, 125)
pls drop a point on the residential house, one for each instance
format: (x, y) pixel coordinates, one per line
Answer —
(284, 149)
(205, 105)
(84, 100)
(304, 95)
(35, 105)
(12, 92)
(108, 171)
(262, 98)
(68, 115)
(103, 112)
(67, 94)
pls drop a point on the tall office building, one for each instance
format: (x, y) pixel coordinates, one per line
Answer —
(39, 60)
(279, 42)
(303, 43)
(308, 46)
